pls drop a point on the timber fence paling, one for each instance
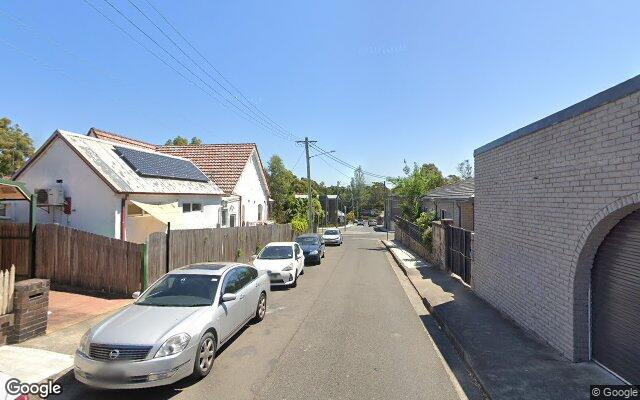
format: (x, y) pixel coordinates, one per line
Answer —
(7, 283)
(14, 246)
(74, 258)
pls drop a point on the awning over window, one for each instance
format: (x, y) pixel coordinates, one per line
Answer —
(12, 190)
(164, 213)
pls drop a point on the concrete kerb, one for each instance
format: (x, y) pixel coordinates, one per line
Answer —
(456, 344)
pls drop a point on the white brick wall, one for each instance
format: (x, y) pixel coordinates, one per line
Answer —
(538, 200)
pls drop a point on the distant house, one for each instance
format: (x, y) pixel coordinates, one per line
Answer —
(454, 202)
(236, 168)
(117, 189)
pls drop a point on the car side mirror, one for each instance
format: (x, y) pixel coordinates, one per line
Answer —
(135, 295)
(228, 297)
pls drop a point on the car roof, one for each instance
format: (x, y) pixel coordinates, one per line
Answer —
(280, 244)
(205, 268)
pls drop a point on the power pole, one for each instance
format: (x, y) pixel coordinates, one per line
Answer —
(306, 142)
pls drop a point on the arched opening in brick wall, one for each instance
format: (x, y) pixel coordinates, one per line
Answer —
(588, 244)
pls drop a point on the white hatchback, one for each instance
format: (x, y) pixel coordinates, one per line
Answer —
(283, 261)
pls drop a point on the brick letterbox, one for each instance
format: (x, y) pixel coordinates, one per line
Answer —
(30, 307)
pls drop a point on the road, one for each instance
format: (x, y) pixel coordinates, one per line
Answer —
(348, 331)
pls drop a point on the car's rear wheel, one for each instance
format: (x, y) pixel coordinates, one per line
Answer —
(261, 309)
(205, 356)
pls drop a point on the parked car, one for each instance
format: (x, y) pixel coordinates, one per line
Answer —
(283, 261)
(332, 236)
(312, 247)
(360, 222)
(174, 328)
(372, 222)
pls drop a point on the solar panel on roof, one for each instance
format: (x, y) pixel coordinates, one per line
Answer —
(160, 166)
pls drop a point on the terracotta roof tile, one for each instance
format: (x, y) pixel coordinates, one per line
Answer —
(222, 163)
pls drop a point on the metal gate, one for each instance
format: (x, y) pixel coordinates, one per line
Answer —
(459, 252)
(615, 300)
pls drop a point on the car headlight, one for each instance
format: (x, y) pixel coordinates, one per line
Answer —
(84, 343)
(174, 345)
(313, 253)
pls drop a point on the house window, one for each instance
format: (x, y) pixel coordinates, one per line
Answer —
(4, 211)
(223, 218)
(259, 212)
(189, 207)
(232, 220)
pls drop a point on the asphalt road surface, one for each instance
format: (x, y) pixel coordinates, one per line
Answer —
(348, 331)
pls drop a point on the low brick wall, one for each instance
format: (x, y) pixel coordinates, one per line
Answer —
(30, 308)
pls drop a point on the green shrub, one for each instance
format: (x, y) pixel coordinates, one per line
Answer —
(424, 222)
(299, 225)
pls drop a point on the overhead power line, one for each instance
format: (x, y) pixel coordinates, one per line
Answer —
(234, 87)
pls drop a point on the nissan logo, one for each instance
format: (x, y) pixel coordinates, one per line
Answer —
(113, 354)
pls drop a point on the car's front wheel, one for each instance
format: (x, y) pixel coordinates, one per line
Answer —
(261, 309)
(205, 356)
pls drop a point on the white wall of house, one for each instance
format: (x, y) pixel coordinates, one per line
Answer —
(94, 206)
(253, 191)
(139, 227)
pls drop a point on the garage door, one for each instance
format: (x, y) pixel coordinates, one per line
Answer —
(615, 311)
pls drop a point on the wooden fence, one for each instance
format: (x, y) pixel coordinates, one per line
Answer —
(14, 246)
(81, 260)
(201, 245)
(7, 284)
(73, 258)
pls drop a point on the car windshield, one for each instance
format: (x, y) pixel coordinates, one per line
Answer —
(181, 290)
(331, 232)
(276, 253)
(308, 240)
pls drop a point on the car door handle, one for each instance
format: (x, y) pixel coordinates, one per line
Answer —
(241, 297)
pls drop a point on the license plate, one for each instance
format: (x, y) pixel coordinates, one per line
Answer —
(109, 374)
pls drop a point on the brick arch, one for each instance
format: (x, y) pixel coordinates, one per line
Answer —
(582, 262)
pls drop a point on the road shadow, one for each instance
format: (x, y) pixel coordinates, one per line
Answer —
(75, 390)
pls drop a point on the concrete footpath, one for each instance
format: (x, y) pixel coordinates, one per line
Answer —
(507, 362)
(51, 356)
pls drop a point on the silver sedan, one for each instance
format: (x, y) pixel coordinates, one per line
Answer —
(174, 328)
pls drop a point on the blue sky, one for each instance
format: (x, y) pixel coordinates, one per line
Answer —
(378, 81)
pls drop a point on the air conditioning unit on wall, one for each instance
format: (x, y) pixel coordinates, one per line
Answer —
(53, 196)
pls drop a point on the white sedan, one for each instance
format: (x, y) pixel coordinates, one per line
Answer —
(174, 328)
(283, 261)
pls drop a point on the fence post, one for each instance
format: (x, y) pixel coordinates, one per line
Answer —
(32, 236)
(144, 268)
(167, 253)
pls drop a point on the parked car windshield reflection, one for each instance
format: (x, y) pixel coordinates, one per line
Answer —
(331, 232)
(276, 253)
(181, 290)
(308, 240)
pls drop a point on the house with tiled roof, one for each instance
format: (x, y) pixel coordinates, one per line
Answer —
(236, 168)
(454, 202)
(116, 188)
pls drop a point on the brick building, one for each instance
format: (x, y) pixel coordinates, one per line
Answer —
(557, 228)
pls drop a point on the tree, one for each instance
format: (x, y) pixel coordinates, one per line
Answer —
(465, 170)
(16, 147)
(280, 185)
(181, 141)
(358, 186)
(415, 184)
